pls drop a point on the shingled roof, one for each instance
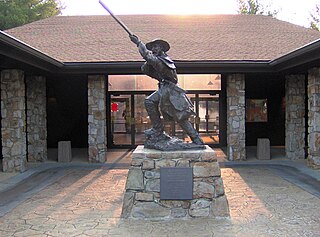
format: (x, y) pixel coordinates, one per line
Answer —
(192, 38)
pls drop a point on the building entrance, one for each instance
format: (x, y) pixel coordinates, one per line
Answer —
(129, 119)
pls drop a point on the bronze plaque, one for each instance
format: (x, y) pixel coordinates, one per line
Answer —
(176, 183)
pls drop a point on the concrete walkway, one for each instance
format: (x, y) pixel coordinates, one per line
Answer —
(80, 199)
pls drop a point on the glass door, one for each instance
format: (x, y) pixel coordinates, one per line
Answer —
(128, 119)
(120, 124)
(207, 120)
(141, 119)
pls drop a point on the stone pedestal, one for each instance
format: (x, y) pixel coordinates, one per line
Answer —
(64, 151)
(142, 196)
(263, 149)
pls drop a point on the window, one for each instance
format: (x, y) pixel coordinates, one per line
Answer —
(145, 83)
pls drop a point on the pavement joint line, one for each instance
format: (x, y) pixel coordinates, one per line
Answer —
(13, 181)
(289, 173)
(51, 172)
(26, 189)
(302, 167)
(37, 179)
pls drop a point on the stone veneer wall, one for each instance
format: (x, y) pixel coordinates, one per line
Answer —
(142, 196)
(97, 118)
(13, 127)
(36, 118)
(295, 117)
(314, 118)
(236, 144)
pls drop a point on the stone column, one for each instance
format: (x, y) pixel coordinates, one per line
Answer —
(97, 136)
(36, 118)
(236, 144)
(314, 118)
(13, 125)
(295, 117)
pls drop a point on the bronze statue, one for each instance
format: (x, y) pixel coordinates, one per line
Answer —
(169, 100)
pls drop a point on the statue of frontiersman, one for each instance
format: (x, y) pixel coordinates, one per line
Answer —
(170, 98)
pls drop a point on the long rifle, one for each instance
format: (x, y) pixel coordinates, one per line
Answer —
(116, 18)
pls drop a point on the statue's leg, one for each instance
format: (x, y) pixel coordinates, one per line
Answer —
(192, 133)
(151, 104)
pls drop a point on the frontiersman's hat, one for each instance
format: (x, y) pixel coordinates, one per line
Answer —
(163, 44)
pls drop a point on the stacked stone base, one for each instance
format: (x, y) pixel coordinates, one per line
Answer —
(142, 196)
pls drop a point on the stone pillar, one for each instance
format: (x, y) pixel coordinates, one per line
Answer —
(236, 144)
(314, 118)
(97, 136)
(295, 117)
(13, 125)
(36, 118)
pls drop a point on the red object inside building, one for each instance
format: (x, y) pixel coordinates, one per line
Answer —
(114, 107)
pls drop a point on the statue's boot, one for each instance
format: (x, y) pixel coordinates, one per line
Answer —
(157, 129)
(192, 133)
(158, 135)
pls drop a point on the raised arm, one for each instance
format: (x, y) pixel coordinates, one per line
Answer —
(145, 53)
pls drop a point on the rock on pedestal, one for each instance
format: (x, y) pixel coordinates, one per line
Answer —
(142, 196)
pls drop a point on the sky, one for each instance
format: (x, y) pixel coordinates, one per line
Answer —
(294, 11)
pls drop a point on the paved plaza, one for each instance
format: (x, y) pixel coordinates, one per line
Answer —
(86, 200)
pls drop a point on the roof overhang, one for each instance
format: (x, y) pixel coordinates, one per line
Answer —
(16, 50)
(307, 56)
(302, 58)
(182, 67)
